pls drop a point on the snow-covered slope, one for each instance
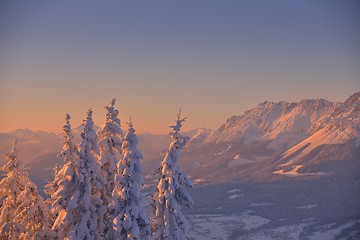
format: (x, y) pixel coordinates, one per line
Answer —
(198, 138)
(282, 123)
(340, 131)
(278, 138)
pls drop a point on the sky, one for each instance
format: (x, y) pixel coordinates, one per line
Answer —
(212, 59)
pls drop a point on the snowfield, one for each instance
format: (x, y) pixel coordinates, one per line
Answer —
(253, 227)
(221, 226)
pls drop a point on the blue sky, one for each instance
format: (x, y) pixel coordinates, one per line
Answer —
(214, 59)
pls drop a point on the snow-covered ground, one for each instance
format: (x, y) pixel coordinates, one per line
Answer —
(295, 172)
(222, 152)
(260, 204)
(309, 206)
(236, 196)
(282, 210)
(220, 227)
(235, 190)
(253, 227)
(329, 233)
(238, 161)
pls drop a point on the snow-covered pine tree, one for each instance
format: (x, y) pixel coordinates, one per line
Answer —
(64, 190)
(169, 223)
(10, 188)
(131, 222)
(110, 143)
(89, 220)
(23, 214)
(12, 231)
(33, 214)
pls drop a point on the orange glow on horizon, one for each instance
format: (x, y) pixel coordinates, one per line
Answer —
(54, 122)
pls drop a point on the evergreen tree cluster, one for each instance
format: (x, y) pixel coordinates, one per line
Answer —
(97, 193)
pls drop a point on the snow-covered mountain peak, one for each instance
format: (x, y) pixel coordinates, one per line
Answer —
(353, 99)
(350, 108)
(22, 133)
(27, 134)
(338, 129)
(346, 118)
(282, 122)
(307, 139)
(286, 131)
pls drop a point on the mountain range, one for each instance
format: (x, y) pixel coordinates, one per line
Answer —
(285, 167)
(307, 139)
(304, 139)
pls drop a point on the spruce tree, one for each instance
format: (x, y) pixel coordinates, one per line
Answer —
(110, 144)
(33, 213)
(23, 214)
(10, 188)
(169, 223)
(64, 190)
(89, 206)
(131, 222)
